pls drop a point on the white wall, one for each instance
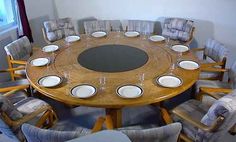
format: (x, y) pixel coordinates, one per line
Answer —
(39, 11)
(213, 18)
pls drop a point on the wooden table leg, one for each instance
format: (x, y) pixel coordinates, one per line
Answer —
(116, 115)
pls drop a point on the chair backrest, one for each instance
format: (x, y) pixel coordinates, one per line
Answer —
(146, 27)
(115, 25)
(232, 75)
(215, 50)
(34, 134)
(58, 29)
(168, 133)
(19, 49)
(224, 107)
(97, 25)
(178, 29)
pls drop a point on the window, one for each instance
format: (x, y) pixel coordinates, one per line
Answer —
(7, 14)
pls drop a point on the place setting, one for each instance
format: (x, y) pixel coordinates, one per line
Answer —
(129, 91)
(99, 34)
(50, 48)
(157, 38)
(50, 81)
(71, 39)
(132, 34)
(83, 91)
(40, 62)
(188, 65)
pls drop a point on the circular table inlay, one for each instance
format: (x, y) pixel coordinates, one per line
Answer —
(113, 58)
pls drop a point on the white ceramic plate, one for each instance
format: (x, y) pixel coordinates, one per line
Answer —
(129, 91)
(40, 62)
(83, 91)
(157, 38)
(132, 34)
(180, 48)
(169, 81)
(188, 65)
(72, 38)
(50, 81)
(99, 34)
(50, 48)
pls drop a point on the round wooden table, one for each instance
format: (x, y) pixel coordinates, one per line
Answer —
(160, 58)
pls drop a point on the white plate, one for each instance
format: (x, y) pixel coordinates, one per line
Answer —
(132, 34)
(72, 38)
(49, 81)
(129, 91)
(169, 81)
(83, 91)
(39, 62)
(157, 38)
(99, 34)
(180, 48)
(188, 65)
(50, 48)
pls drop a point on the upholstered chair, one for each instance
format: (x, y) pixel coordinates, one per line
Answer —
(179, 29)
(18, 52)
(60, 132)
(203, 123)
(141, 26)
(215, 87)
(57, 29)
(152, 133)
(30, 110)
(97, 25)
(214, 56)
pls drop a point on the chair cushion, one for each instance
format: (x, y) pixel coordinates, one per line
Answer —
(168, 133)
(7, 107)
(196, 110)
(205, 75)
(225, 107)
(34, 134)
(19, 49)
(17, 96)
(58, 29)
(6, 130)
(14, 83)
(103, 136)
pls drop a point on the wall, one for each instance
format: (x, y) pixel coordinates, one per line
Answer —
(39, 11)
(213, 18)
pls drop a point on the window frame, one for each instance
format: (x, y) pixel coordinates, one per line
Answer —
(12, 24)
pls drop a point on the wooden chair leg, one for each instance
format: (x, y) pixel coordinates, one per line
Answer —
(166, 116)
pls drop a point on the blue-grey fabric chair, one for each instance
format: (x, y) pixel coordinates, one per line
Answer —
(168, 133)
(203, 123)
(102, 25)
(214, 52)
(18, 51)
(230, 84)
(178, 29)
(141, 26)
(7, 133)
(58, 29)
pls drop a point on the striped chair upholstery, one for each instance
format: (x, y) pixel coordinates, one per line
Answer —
(58, 29)
(19, 49)
(7, 132)
(98, 25)
(177, 29)
(217, 84)
(145, 27)
(168, 133)
(225, 107)
(34, 134)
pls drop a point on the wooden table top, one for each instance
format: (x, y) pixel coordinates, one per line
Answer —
(160, 60)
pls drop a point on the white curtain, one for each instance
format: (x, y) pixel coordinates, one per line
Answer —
(18, 19)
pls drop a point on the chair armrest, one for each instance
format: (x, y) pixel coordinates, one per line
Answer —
(197, 49)
(98, 124)
(11, 92)
(198, 124)
(12, 69)
(30, 116)
(109, 123)
(205, 65)
(212, 69)
(20, 62)
(215, 90)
